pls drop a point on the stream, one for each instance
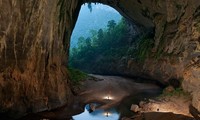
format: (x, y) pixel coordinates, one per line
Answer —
(112, 97)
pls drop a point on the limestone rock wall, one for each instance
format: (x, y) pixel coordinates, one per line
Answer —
(33, 55)
(177, 35)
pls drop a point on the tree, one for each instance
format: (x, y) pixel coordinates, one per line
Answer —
(100, 34)
(81, 42)
(111, 24)
(103, 46)
(100, 37)
(88, 42)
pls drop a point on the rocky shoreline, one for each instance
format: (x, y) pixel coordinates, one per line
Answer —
(170, 105)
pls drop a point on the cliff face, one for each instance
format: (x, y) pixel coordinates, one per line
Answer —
(34, 44)
(33, 55)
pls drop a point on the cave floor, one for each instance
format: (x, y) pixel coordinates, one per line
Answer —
(118, 89)
(119, 92)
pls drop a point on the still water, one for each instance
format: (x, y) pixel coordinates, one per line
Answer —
(117, 112)
(99, 114)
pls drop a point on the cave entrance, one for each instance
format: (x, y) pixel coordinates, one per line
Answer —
(102, 43)
(101, 38)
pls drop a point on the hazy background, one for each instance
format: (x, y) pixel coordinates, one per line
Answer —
(95, 19)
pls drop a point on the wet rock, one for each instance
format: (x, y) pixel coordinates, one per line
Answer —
(168, 90)
(142, 103)
(92, 106)
(135, 108)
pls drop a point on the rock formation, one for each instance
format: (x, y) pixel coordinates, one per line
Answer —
(33, 56)
(34, 44)
(177, 37)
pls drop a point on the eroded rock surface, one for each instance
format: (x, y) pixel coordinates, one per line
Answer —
(33, 74)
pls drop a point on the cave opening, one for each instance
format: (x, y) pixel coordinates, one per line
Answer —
(92, 36)
(113, 55)
(103, 41)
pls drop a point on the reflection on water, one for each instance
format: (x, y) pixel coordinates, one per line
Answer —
(98, 114)
(119, 111)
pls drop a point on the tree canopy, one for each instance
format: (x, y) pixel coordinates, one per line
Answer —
(107, 46)
(108, 43)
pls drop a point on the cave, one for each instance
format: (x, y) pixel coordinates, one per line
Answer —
(34, 47)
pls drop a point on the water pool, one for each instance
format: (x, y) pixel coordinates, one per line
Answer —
(99, 114)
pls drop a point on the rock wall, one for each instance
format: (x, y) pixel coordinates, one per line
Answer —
(177, 39)
(34, 44)
(34, 39)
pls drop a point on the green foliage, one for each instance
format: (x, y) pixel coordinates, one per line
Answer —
(107, 44)
(111, 24)
(144, 48)
(76, 75)
(101, 15)
(176, 92)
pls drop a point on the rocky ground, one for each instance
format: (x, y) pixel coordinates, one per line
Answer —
(173, 104)
(164, 108)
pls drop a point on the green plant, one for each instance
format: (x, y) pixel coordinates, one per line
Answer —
(76, 76)
(176, 92)
(144, 48)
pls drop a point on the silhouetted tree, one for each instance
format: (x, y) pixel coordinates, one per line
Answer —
(111, 24)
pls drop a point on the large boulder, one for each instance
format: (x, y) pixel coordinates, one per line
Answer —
(135, 108)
